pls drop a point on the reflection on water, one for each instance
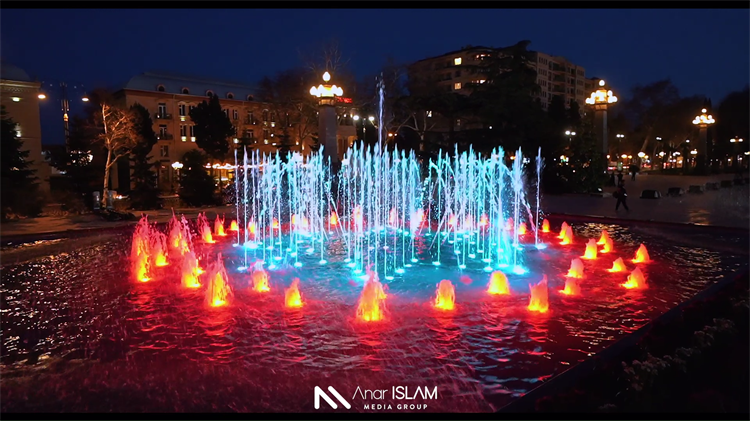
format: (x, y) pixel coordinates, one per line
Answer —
(488, 348)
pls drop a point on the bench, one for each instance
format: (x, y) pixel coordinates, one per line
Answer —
(726, 184)
(650, 194)
(675, 191)
(696, 189)
(712, 186)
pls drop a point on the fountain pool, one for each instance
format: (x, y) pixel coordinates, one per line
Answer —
(80, 334)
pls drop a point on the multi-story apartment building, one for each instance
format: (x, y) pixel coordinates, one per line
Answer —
(19, 94)
(170, 97)
(453, 71)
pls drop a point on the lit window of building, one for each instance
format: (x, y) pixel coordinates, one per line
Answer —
(457, 85)
(457, 61)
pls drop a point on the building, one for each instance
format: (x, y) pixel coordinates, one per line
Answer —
(452, 72)
(170, 97)
(19, 94)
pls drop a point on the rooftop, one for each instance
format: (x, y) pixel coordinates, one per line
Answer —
(11, 72)
(180, 84)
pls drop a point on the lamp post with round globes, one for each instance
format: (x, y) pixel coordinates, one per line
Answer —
(371, 119)
(177, 166)
(600, 100)
(327, 119)
(703, 121)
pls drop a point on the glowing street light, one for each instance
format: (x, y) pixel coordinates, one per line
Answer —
(600, 100)
(694, 152)
(327, 118)
(735, 140)
(42, 96)
(601, 97)
(641, 154)
(703, 120)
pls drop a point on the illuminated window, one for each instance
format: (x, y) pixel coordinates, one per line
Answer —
(457, 61)
(457, 85)
(181, 109)
(192, 131)
(183, 130)
(429, 113)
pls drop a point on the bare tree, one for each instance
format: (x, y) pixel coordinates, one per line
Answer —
(328, 58)
(118, 138)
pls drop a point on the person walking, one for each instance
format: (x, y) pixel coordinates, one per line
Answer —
(619, 178)
(622, 197)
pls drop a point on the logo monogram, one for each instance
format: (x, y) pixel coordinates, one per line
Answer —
(319, 393)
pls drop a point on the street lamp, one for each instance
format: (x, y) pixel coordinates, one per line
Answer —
(327, 119)
(177, 166)
(735, 142)
(600, 100)
(65, 105)
(703, 121)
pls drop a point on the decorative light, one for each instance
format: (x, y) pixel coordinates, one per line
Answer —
(85, 99)
(601, 96)
(735, 140)
(624, 156)
(177, 165)
(42, 96)
(355, 117)
(326, 91)
(16, 99)
(641, 154)
(694, 152)
(704, 119)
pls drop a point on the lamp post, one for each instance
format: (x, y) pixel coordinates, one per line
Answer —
(177, 166)
(570, 135)
(327, 120)
(619, 137)
(600, 100)
(371, 119)
(735, 141)
(65, 106)
(703, 121)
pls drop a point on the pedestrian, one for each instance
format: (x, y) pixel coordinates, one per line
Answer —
(612, 179)
(622, 197)
(633, 171)
(619, 178)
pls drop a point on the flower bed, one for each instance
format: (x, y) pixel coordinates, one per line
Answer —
(703, 365)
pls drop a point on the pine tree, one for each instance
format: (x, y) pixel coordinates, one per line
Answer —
(196, 185)
(19, 190)
(145, 193)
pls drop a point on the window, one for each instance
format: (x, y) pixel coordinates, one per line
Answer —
(185, 91)
(457, 86)
(192, 131)
(457, 61)
(458, 73)
(161, 88)
(226, 112)
(164, 151)
(249, 97)
(249, 134)
(250, 118)
(190, 108)
(235, 114)
(265, 136)
(183, 130)
(162, 107)
(209, 93)
(458, 122)
(265, 115)
(429, 113)
(230, 95)
(162, 131)
(181, 109)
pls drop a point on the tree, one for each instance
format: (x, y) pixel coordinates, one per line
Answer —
(574, 114)
(585, 170)
(732, 121)
(212, 128)
(196, 185)
(288, 98)
(118, 137)
(647, 106)
(19, 189)
(145, 194)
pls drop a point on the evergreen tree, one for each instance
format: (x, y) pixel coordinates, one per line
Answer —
(196, 185)
(145, 194)
(212, 128)
(585, 170)
(574, 115)
(19, 189)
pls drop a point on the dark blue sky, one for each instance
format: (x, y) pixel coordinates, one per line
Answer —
(702, 51)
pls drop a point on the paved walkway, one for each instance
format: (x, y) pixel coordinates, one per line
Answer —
(728, 207)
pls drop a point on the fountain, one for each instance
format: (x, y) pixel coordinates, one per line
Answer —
(498, 284)
(641, 255)
(576, 269)
(591, 250)
(618, 266)
(292, 296)
(445, 298)
(539, 301)
(371, 306)
(218, 292)
(636, 280)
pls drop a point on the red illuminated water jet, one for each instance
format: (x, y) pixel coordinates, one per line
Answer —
(576, 269)
(509, 225)
(218, 292)
(204, 229)
(275, 224)
(590, 252)
(292, 297)
(545, 226)
(498, 284)
(563, 230)
(233, 226)
(393, 217)
(159, 248)
(522, 228)
(483, 220)
(636, 280)
(567, 236)
(571, 287)
(140, 251)
(251, 228)
(445, 298)
(603, 238)
(371, 307)
(219, 227)
(539, 301)
(259, 278)
(641, 255)
(190, 271)
(334, 219)
(608, 246)
(617, 266)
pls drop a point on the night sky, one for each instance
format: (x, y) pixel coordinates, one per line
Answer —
(702, 51)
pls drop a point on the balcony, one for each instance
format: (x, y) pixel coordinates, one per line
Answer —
(164, 136)
(251, 121)
(163, 116)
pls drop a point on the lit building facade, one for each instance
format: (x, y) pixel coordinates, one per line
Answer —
(19, 94)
